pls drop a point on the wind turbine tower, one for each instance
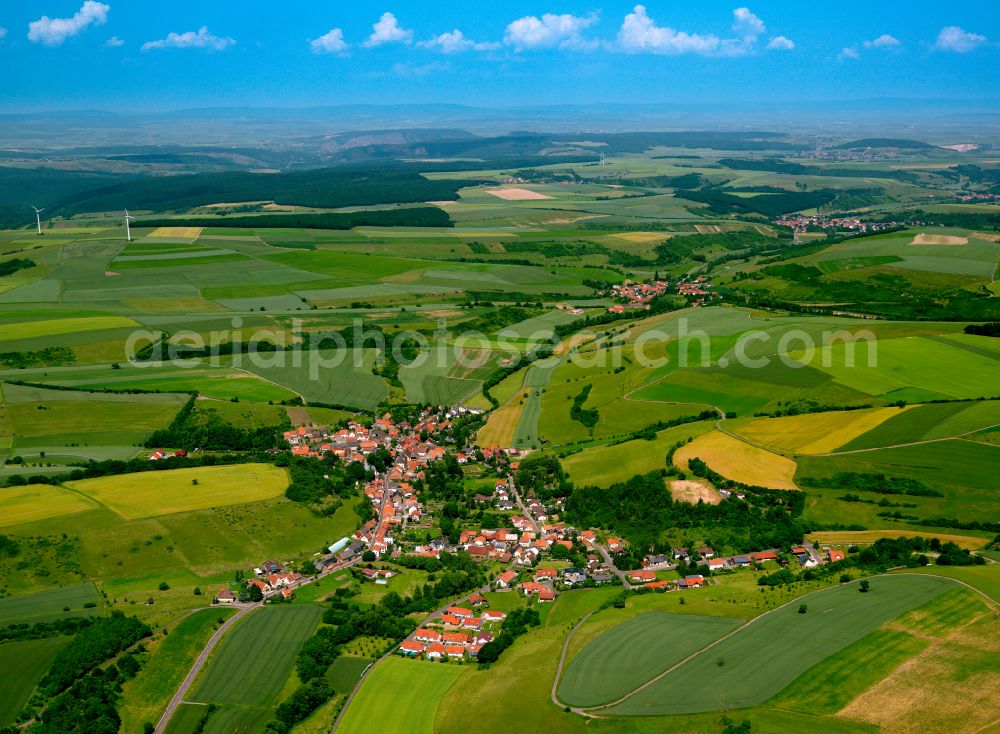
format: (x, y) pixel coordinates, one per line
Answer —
(602, 159)
(38, 217)
(128, 228)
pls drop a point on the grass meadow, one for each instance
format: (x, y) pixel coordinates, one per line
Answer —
(401, 695)
(145, 697)
(67, 601)
(22, 665)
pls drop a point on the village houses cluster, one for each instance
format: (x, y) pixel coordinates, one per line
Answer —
(801, 223)
(459, 631)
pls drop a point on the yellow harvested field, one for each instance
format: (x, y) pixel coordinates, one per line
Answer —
(53, 327)
(642, 237)
(502, 423)
(686, 490)
(39, 502)
(515, 194)
(867, 537)
(739, 461)
(177, 232)
(961, 659)
(153, 493)
(938, 239)
(986, 236)
(815, 433)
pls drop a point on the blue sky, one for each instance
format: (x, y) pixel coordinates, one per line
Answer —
(156, 55)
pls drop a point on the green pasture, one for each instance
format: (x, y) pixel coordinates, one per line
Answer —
(51, 604)
(400, 695)
(963, 471)
(931, 421)
(22, 665)
(604, 465)
(913, 362)
(201, 548)
(771, 652)
(345, 672)
(145, 697)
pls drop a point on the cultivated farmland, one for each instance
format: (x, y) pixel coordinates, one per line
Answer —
(38, 502)
(739, 461)
(628, 655)
(149, 494)
(769, 653)
(243, 670)
(51, 604)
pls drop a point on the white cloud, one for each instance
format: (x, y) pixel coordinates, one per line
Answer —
(884, 41)
(3, 33)
(406, 70)
(54, 31)
(953, 38)
(640, 33)
(387, 30)
(455, 42)
(331, 42)
(190, 39)
(549, 31)
(747, 25)
(848, 53)
(780, 43)
(114, 42)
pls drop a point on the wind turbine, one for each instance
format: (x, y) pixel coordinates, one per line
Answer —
(38, 218)
(128, 228)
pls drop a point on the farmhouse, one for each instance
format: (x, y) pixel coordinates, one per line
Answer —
(225, 596)
(408, 647)
(641, 577)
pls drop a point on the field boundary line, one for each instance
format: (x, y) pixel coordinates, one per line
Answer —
(178, 697)
(265, 379)
(586, 710)
(562, 659)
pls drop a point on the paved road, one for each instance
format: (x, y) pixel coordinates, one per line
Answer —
(196, 668)
(611, 564)
(524, 510)
(562, 662)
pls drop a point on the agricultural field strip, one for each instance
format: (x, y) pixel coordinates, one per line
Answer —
(196, 667)
(667, 637)
(738, 630)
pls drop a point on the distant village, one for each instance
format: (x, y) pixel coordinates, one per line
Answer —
(800, 223)
(638, 295)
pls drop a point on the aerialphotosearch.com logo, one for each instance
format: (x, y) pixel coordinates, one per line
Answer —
(360, 344)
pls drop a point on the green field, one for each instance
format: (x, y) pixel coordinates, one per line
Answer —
(605, 465)
(47, 605)
(39, 502)
(345, 672)
(768, 654)
(254, 660)
(149, 494)
(400, 696)
(145, 697)
(635, 651)
(22, 665)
